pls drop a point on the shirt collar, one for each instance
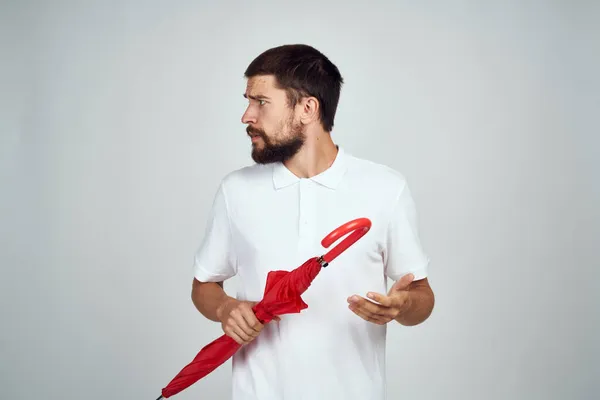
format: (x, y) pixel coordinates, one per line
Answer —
(330, 178)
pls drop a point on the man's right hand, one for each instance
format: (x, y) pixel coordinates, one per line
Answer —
(238, 320)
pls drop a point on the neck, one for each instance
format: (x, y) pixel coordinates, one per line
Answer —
(317, 155)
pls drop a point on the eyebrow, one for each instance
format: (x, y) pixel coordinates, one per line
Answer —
(257, 97)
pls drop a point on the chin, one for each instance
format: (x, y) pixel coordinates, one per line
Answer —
(259, 157)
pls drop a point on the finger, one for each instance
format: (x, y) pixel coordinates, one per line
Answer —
(368, 306)
(403, 283)
(241, 326)
(385, 301)
(380, 320)
(240, 315)
(232, 334)
(236, 337)
(253, 324)
(389, 304)
(238, 324)
(241, 332)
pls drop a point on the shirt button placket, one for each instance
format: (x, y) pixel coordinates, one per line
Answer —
(308, 204)
(302, 217)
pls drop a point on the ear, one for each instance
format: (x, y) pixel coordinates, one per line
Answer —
(310, 110)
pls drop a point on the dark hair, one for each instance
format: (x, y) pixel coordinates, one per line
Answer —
(302, 71)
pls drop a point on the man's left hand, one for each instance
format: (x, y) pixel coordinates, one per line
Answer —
(389, 308)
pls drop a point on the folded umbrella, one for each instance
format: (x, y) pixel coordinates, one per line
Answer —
(282, 295)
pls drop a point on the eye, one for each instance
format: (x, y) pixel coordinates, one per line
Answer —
(262, 102)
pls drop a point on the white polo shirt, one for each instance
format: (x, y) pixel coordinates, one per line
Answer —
(265, 218)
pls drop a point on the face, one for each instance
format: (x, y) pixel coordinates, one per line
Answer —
(274, 128)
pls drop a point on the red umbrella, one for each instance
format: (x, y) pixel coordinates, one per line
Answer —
(282, 296)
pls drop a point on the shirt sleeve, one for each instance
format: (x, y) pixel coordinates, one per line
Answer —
(404, 253)
(215, 259)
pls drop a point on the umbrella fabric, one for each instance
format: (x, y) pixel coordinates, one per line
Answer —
(281, 296)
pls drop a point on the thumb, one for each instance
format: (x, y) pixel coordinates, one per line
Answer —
(252, 304)
(402, 283)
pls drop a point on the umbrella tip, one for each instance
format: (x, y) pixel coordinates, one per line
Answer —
(160, 397)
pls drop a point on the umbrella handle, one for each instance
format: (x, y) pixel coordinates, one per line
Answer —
(359, 227)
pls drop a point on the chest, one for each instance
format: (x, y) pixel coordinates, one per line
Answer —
(279, 230)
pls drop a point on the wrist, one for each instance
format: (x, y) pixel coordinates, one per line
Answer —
(225, 301)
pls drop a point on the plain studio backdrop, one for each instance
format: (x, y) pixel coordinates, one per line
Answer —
(119, 118)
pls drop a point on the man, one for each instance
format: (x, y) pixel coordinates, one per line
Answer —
(273, 215)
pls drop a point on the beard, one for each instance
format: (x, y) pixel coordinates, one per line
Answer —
(280, 150)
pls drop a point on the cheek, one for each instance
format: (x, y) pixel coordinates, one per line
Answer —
(276, 123)
(275, 127)
(265, 120)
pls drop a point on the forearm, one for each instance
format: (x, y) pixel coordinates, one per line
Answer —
(421, 302)
(208, 298)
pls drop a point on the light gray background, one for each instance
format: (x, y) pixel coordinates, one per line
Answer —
(119, 118)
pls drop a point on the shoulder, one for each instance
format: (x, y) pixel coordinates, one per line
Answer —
(376, 175)
(246, 176)
(249, 173)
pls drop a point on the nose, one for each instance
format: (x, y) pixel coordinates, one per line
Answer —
(249, 117)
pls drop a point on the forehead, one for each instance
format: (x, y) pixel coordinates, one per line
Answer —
(263, 85)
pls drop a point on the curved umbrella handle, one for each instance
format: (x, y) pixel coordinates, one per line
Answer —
(359, 227)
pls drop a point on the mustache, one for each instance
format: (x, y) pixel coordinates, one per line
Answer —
(255, 131)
